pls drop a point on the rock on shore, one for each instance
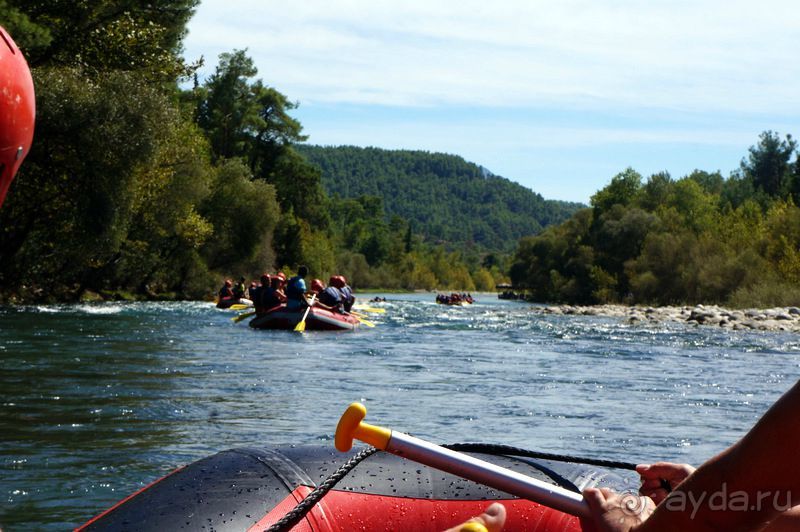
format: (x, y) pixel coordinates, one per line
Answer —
(773, 319)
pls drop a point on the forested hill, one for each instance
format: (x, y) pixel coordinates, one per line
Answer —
(446, 199)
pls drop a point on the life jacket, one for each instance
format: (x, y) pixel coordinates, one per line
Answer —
(269, 298)
(238, 290)
(225, 292)
(295, 288)
(348, 299)
(332, 297)
(255, 293)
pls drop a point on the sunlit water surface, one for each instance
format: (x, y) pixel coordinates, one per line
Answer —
(98, 400)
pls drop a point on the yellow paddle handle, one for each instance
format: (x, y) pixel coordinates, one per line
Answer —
(472, 526)
(352, 427)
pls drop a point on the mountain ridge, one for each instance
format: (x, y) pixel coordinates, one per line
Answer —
(446, 198)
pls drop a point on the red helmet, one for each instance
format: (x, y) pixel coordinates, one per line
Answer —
(266, 279)
(228, 283)
(17, 110)
(338, 281)
(344, 280)
(317, 285)
(281, 276)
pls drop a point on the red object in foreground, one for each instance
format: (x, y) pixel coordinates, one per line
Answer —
(252, 488)
(345, 510)
(17, 110)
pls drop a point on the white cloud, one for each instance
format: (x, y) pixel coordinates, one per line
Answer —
(559, 95)
(732, 55)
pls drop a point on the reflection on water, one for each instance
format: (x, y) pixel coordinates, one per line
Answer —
(98, 400)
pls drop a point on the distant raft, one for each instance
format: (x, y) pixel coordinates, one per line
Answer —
(454, 300)
(318, 319)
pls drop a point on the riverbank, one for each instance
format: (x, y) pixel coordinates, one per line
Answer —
(772, 319)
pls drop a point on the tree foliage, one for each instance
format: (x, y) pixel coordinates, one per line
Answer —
(102, 35)
(448, 200)
(137, 185)
(701, 238)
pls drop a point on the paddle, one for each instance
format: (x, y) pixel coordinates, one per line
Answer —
(374, 310)
(351, 426)
(360, 318)
(300, 327)
(240, 317)
(239, 306)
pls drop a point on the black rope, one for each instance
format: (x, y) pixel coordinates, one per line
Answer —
(295, 515)
(490, 448)
(303, 507)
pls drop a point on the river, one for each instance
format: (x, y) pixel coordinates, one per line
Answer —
(98, 400)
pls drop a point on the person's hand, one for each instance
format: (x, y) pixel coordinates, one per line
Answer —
(615, 512)
(654, 475)
(491, 520)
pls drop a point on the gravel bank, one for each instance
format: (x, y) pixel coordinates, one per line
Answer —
(773, 319)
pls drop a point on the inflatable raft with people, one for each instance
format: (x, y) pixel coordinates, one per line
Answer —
(454, 299)
(318, 319)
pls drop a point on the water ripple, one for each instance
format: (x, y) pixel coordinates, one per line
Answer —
(99, 399)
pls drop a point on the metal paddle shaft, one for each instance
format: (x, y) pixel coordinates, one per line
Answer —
(483, 472)
(351, 426)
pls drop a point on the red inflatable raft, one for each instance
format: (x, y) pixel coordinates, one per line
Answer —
(250, 489)
(318, 319)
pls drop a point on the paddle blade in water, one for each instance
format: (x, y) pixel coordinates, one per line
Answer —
(241, 317)
(374, 310)
(365, 322)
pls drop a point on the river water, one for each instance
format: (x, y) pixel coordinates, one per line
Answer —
(98, 400)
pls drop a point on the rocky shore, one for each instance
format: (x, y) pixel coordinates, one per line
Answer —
(773, 319)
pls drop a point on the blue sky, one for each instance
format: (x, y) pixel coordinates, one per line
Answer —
(558, 96)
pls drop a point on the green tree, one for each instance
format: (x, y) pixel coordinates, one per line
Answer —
(102, 35)
(768, 163)
(107, 198)
(445, 199)
(621, 191)
(655, 191)
(244, 213)
(711, 183)
(794, 184)
(245, 118)
(28, 35)
(72, 204)
(161, 251)
(695, 208)
(228, 108)
(483, 280)
(298, 187)
(288, 240)
(618, 236)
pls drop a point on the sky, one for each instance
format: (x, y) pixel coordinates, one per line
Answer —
(558, 96)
